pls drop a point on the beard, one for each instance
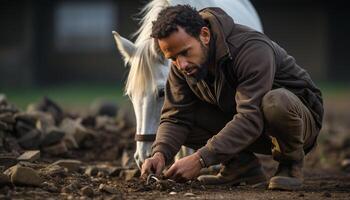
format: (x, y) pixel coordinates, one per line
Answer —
(203, 67)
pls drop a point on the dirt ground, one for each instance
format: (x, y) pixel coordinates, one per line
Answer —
(326, 176)
(318, 185)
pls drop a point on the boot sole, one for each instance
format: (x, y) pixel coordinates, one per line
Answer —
(254, 181)
(284, 183)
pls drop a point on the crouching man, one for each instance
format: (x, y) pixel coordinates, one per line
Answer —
(231, 91)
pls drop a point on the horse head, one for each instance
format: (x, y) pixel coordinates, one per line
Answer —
(145, 88)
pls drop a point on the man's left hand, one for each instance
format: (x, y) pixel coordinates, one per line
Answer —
(185, 169)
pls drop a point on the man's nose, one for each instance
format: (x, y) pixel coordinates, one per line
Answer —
(182, 63)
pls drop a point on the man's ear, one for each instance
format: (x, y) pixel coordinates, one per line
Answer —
(205, 35)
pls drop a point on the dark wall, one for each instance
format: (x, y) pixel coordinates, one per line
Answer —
(43, 43)
(16, 44)
(339, 68)
(301, 28)
(35, 52)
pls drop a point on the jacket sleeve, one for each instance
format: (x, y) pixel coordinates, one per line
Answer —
(254, 67)
(176, 116)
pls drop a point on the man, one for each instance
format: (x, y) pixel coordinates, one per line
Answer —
(231, 91)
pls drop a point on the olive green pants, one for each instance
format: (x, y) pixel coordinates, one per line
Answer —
(289, 129)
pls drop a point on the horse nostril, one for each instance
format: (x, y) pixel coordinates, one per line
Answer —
(161, 93)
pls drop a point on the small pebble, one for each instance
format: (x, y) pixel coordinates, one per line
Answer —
(173, 193)
(87, 191)
(189, 194)
(327, 194)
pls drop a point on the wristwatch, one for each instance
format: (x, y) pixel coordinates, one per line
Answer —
(201, 161)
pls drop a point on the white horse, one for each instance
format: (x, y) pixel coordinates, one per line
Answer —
(149, 69)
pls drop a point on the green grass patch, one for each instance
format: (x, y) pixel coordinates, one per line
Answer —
(83, 94)
(335, 89)
(80, 95)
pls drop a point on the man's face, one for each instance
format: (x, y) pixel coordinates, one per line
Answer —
(187, 53)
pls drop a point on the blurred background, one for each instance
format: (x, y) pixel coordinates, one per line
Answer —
(65, 49)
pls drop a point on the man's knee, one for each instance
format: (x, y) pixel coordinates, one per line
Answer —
(275, 106)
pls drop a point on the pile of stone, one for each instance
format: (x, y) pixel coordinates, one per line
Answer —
(103, 134)
(59, 152)
(66, 177)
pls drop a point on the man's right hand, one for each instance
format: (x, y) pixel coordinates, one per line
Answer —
(155, 164)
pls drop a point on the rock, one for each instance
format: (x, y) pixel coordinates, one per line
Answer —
(51, 135)
(25, 176)
(30, 165)
(87, 191)
(56, 149)
(126, 159)
(91, 171)
(4, 126)
(22, 128)
(101, 174)
(31, 140)
(109, 189)
(27, 118)
(130, 173)
(45, 120)
(8, 108)
(67, 189)
(327, 194)
(114, 171)
(189, 194)
(75, 184)
(104, 108)
(3, 99)
(84, 137)
(4, 180)
(129, 132)
(345, 164)
(102, 121)
(70, 165)
(47, 105)
(76, 134)
(89, 121)
(52, 170)
(112, 128)
(2, 146)
(70, 197)
(8, 160)
(10, 144)
(173, 193)
(51, 187)
(29, 156)
(7, 118)
(127, 115)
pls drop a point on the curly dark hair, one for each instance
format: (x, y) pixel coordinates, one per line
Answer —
(180, 15)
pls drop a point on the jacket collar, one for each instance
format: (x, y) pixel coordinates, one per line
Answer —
(221, 26)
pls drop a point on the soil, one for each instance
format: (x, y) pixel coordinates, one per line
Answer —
(318, 185)
(325, 178)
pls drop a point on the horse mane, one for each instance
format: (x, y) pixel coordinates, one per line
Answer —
(142, 75)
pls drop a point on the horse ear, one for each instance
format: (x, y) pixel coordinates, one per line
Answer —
(125, 46)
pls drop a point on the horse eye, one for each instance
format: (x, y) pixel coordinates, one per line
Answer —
(160, 93)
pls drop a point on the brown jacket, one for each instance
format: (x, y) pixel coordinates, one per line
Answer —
(248, 65)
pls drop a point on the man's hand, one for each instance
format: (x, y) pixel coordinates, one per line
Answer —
(186, 168)
(155, 164)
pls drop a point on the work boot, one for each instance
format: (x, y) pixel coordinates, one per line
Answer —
(289, 176)
(244, 168)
